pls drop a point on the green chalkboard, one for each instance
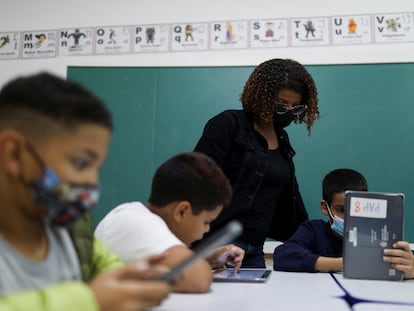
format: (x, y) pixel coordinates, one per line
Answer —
(366, 124)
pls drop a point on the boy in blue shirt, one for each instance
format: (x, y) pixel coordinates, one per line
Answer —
(317, 244)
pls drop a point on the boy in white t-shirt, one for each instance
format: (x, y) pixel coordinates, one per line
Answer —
(188, 193)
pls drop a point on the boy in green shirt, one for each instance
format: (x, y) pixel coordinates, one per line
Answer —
(54, 136)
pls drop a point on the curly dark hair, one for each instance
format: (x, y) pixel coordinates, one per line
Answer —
(267, 79)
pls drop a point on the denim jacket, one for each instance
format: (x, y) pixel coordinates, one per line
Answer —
(230, 139)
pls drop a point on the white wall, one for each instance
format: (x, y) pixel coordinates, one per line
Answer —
(23, 15)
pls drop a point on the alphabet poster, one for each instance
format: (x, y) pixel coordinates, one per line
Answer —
(351, 29)
(269, 33)
(39, 44)
(9, 45)
(189, 36)
(273, 32)
(113, 40)
(228, 35)
(76, 41)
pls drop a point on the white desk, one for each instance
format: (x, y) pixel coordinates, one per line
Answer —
(391, 291)
(298, 291)
(293, 291)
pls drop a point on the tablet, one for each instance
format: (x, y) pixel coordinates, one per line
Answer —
(242, 275)
(373, 221)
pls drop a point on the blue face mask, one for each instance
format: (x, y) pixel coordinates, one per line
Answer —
(337, 224)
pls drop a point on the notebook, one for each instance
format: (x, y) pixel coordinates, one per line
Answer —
(373, 221)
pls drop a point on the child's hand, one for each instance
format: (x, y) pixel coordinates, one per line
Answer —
(229, 253)
(131, 287)
(401, 258)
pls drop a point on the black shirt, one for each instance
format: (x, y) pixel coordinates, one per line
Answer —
(257, 219)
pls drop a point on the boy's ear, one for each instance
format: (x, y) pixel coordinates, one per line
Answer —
(324, 208)
(181, 211)
(11, 143)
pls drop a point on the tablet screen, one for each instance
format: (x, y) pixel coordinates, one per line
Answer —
(242, 275)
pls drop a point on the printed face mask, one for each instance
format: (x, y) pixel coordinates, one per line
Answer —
(283, 120)
(60, 202)
(337, 224)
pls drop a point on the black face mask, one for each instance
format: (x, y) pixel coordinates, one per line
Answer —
(283, 120)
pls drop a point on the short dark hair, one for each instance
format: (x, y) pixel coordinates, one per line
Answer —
(341, 180)
(193, 177)
(26, 103)
(268, 78)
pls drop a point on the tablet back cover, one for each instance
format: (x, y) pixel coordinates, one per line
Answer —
(373, 221)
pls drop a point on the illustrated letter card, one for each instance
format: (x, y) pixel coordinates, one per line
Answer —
(9, 45)
(151, 38)
(76, 41)
(39, 44)
(310, 31)
(351, 29)
(228, 35)
(269, 33)
(190, 37)
(394, 27)
(113, 40)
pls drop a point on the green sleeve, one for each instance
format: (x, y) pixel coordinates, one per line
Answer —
(103, 259)
(68, 296)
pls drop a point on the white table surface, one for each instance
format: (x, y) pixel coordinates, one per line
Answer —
(298, 291)
(391, 291)
(293, 291)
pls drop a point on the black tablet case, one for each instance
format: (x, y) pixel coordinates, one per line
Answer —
(373, 221)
